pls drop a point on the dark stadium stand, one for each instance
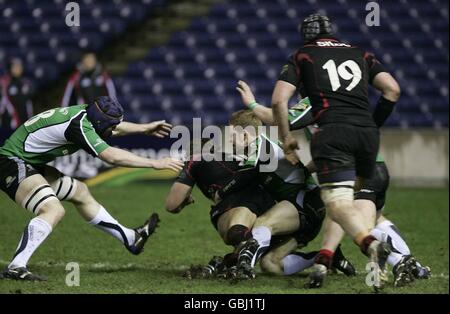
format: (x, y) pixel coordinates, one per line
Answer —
(36, 31)
(195, 73)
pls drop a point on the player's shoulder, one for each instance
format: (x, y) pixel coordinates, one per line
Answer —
(71, 113)
(74, 110)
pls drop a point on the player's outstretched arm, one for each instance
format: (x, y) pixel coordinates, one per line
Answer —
(262, 112)
(282, 93)
(390, 93)
(178, 197)
(157, 128)
(120, 157)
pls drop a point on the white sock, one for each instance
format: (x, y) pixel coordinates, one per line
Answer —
(295, 263)
(107, 223)
(396, 239)
(382, 236)
(263, 235)
(33, 236)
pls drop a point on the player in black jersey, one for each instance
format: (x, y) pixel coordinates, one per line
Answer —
(335, 76)
(234, 215)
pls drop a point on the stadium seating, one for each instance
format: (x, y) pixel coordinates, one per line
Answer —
(195, 73)
(36, 31)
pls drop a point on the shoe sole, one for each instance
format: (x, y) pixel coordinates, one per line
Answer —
(316, 279)
(379, 257)
(7, 277)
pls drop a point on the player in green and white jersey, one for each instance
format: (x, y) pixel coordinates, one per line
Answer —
(298, 213)
(39, 188)
(370, 200)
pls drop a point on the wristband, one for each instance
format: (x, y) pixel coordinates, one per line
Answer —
(253, 105)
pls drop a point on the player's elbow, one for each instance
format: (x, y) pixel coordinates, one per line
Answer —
(108, 156)
(387, 84)
(393, 91)
(113, 156)
(278, 103)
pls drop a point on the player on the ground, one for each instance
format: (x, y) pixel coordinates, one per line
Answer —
(299, 211)
(369, 200)
(335, 76)
(27, 180)
(232, 216)
(296, 193)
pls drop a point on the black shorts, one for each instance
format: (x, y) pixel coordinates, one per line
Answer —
(253, 197)
(13, 171)
(374, 189)
(341, 152)
(311, 213)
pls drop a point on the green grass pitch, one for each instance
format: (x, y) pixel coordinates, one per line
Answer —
(189, 238)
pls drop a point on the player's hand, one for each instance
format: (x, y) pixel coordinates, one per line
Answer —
(158, 128)
(168, 163)
(290, 145)
(246, 93)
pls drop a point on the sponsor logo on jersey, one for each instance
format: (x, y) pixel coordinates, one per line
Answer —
(366, 191)
(64, 111)
(65, 151)
(284, 69)
(331, 44)
(99, 142)
(9, 180)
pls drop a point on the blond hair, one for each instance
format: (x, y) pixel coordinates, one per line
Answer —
(245, 118)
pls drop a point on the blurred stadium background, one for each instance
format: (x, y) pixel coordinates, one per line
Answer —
(177, 60)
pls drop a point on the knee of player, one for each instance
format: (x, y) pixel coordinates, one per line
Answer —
(271, 265)
(262, 221)
(54, 210)
(82, 193)
(82, 188)
(237, 234)
(66, 188)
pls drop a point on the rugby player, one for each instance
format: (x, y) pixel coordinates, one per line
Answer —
(26, 179)
(335, 76)
(299, 211)
(370, 200)
(232, 216)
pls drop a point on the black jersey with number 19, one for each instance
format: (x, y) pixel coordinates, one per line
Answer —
(335, 77)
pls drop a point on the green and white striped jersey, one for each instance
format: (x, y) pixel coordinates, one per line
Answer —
(54, 133)
(285, 181)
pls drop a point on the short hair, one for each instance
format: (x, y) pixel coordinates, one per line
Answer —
(245, 118)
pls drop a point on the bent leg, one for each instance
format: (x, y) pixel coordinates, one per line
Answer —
(234, 225)
(277, 261)
(281, 219)
(77, 192)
